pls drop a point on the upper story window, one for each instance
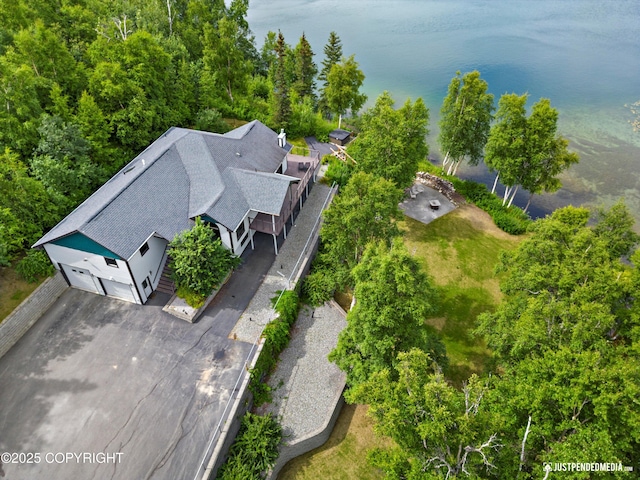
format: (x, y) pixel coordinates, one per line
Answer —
(240, 230)
(144, 249)
(111, 262)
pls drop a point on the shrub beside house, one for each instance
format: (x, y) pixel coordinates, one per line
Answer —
(199, 263)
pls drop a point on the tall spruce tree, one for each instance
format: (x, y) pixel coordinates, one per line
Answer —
(332, 54)
(305, 70)
(282, 107)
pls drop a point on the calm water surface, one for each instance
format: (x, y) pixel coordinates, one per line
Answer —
(582, 54)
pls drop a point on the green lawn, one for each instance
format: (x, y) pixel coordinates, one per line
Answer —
(344, 455)
(459, 251)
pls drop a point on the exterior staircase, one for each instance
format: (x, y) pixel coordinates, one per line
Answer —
(166, 285)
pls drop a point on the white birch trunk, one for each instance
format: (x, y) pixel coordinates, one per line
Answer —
(446, 160)
(513, 196)
(339, 120)
(455, 170)
(495, 183)
(507, 191)
(450, 167)
(524, 440)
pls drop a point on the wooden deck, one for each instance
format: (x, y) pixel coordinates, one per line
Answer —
(299, 166)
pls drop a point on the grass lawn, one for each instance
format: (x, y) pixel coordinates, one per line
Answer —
(459, 251)
(344, 455)
(13, 290)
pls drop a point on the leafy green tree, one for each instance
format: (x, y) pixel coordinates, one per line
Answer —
(26, 208)
(393, 300)
(21, 108)
(465, 119)
(563, 405)
(199, 261)
(365, 211)
(224, 58)
(566, 335)
(615, 227)
(392, 142)
(282, 107)
(305, 70)
(43, 50)
(131, 83)
(95, 128)
(440, 432)
(525, 151)
(506, 145)
(547, 155)
(268, 56)
(62, 163)
(564, 285)
(190, 20)
(343, 87)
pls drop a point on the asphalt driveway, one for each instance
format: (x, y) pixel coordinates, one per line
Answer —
(101, 388)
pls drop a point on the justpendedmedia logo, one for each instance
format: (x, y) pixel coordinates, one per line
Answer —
(585, 467)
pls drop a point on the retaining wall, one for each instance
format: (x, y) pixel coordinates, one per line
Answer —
(315, 439)
(29, 311)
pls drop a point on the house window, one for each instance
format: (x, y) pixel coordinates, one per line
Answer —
(240, 230)
(144, 249)
(111, 262)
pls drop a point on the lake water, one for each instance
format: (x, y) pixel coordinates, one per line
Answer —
(582, 54)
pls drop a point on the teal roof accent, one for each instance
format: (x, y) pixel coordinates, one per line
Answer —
(207, 218)
(80, 242)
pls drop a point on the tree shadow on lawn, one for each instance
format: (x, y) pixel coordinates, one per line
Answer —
(460, 308)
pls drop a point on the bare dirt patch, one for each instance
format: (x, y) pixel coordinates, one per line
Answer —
(482, 221)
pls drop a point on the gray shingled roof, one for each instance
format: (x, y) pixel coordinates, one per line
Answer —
(183, 174)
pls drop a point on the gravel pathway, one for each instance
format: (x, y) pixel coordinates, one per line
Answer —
(305, 383)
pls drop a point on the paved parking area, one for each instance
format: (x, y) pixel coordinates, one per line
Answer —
(99, 376)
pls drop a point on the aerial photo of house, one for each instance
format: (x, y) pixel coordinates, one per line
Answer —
(242, 182)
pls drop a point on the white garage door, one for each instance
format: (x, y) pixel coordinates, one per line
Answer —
(80, 278)
(119, 290)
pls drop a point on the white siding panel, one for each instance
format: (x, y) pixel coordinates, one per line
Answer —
(148, 265)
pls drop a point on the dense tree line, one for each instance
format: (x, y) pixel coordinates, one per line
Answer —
(87, 84)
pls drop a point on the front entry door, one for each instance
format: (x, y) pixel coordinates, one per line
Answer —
(146, 286)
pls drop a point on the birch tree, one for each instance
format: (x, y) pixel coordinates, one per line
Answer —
(527, 151)
(392, 142)
(440, 432)
(343, 88)
(547, 153)
(506, 146)
(465, 119)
